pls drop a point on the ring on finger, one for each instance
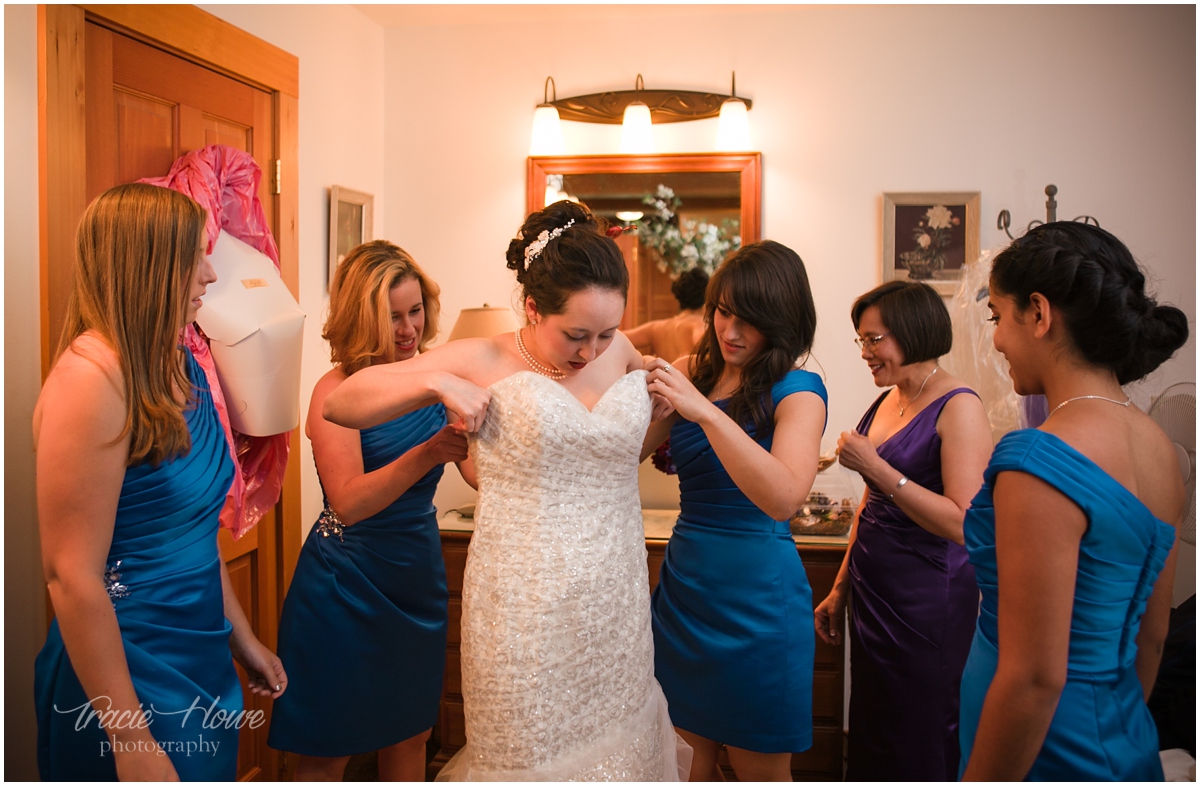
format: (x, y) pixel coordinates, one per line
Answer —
(666, 367)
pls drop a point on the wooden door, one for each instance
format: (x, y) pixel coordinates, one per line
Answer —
(239, 90)
(143, 108)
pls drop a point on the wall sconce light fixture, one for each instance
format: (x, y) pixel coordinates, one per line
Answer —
(547, 137)
(656, 106)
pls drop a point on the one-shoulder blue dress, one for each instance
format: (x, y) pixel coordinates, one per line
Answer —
(1101, 730)
(363, 629)
(733, 615)
(164, 577)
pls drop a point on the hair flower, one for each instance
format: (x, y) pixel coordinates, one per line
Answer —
(543, 239)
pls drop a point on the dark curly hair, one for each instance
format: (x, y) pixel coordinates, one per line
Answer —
(689, 288)
(582, 257)
(1090, 276)
(766, 285)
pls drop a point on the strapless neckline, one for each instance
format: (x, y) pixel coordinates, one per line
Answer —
(603, 396)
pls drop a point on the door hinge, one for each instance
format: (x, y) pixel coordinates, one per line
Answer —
(278, 176)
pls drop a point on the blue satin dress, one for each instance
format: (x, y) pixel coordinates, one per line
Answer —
(164, 578)
(363, 630)
(733, 614)
(1101, 730)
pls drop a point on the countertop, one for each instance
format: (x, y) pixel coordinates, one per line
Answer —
(658, 525)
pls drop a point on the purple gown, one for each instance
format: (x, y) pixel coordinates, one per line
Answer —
(912, 619)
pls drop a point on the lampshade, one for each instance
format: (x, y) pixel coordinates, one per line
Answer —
(637, 135)
(484, 322)
(547, 138)
(733, 127)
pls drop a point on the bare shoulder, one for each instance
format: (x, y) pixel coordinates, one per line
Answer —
(84, 392)
(684, 364)
(623, 349)
(1156, 462)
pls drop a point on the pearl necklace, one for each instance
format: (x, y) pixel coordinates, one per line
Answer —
(1124, 403)
(527, 356)
(914, 398)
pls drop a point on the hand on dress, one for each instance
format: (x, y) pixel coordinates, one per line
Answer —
(670, 383)
(142, 760)
(829, 618)
(449, 444)
(466, 403)
(856, 453)
(263, 667)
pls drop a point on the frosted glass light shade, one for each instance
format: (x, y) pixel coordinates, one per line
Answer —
(547, 138)
(733, 126)
(637, 135)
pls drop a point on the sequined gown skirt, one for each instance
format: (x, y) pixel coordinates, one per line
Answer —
(557, 652)
(363, 629)
(164, 580)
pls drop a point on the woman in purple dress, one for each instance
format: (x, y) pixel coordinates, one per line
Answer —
(921, 448)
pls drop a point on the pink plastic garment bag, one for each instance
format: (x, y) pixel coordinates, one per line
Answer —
(224, 180)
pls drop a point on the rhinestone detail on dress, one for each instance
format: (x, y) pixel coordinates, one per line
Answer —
(112, 581)
(328, 524)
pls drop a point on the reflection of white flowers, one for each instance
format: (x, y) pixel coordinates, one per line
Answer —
(923, 241)
(939, 217)
(683, 243)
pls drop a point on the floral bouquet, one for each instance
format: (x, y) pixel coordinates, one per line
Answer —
(932, 236)
(682, 244)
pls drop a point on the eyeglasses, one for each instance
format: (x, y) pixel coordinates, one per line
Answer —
(870, 341)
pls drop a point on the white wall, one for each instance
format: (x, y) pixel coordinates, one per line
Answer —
(24, 598)
(341, 143)
(849, 102)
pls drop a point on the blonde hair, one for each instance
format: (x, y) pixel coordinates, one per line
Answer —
(136, 251)
(359, 327)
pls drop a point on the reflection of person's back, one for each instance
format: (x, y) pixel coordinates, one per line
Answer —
(675, 336)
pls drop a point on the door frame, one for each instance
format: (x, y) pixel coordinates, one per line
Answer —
(195, 35)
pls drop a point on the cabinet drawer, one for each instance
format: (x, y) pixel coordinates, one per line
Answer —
(823, 761)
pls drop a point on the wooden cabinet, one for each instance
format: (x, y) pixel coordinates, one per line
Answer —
(821, 561)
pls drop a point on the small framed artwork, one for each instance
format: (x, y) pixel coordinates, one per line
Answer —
(351, 221)
(930, 237)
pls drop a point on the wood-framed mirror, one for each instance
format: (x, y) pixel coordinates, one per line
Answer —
(721, 189)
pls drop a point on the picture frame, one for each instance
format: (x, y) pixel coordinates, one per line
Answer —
(930, 237)
(351, 222)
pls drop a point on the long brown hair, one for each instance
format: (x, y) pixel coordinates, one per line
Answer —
(766, 285)
(359, 327)
(136, 251)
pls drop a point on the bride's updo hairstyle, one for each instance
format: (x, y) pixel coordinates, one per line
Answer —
(575, 254)
(1093, 280)
(766, 285)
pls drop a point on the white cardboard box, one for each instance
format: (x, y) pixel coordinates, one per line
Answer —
(256, 330)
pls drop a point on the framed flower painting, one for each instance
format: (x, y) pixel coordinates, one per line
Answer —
(930, 237)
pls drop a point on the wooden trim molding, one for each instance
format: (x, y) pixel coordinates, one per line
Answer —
(197, 35)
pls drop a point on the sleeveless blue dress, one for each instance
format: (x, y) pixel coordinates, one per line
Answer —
(164, 578)
(1101, 730)
(733, 614)
(363, 629)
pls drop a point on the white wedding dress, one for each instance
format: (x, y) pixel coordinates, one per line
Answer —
(557, 652)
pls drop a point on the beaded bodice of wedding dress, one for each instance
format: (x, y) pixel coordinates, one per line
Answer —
(557, 651)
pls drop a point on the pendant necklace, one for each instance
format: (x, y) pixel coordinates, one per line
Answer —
(527, 356)
(1124, 403)
(914, 398)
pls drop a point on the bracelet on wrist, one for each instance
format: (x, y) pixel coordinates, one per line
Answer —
(899, 485)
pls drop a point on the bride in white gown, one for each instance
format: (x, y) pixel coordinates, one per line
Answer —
(557, 650)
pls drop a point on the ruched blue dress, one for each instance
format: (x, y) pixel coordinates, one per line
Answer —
(1101, 730)
(363, 629)
(733, 614)
(164, 578)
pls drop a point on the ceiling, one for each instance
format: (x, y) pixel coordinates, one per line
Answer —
(452, 14)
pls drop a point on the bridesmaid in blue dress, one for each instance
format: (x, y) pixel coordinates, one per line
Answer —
(732, 613)
(1072, 535)
(135, 680)
(363, 629)
(921, 449)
